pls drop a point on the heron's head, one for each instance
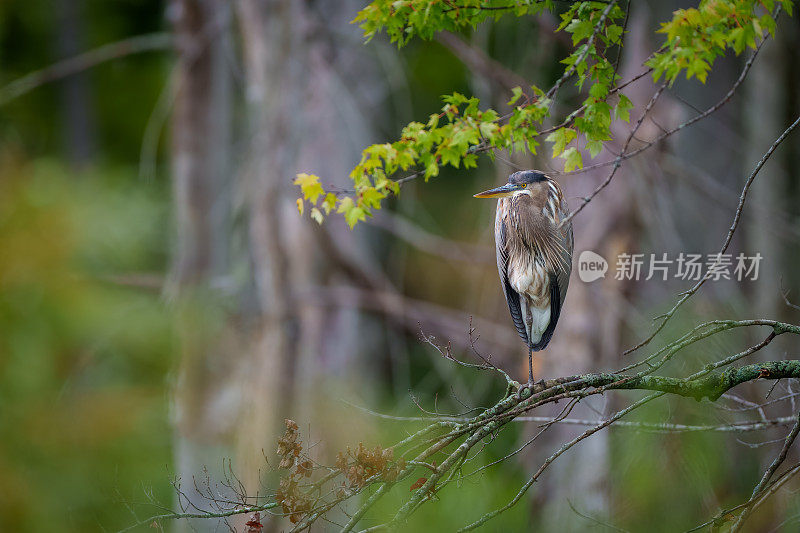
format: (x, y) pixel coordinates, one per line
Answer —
(518, 183)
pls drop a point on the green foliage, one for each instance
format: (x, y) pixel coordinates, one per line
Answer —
(455, 136)
(82, 358)
(404, 19)
(696, 37)
(448, 138)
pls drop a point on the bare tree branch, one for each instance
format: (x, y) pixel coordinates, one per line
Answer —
(84, 61)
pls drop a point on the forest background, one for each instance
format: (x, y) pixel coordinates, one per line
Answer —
(164, 306)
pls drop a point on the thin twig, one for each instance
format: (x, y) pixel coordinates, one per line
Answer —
(713, 109)
(776, 463)
(736, 218)
(84, 61)
(618, 160)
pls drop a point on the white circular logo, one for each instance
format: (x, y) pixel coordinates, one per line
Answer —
(591, 266)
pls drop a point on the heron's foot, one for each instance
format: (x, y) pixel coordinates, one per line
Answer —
(512, 388)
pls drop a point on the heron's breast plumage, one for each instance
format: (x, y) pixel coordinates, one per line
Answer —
(528, 275)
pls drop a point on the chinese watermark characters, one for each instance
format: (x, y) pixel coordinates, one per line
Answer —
(661, 267)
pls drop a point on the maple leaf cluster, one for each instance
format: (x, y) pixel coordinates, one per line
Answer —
(359, 466)
(292, 500)
(362, 464)
(289, 447)
(294, 503)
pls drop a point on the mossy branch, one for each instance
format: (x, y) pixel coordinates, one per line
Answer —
(712, 386)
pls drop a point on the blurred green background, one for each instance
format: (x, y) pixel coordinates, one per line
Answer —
(139, 336)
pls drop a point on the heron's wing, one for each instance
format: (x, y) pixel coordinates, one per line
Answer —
(512, 297)
(565, 268)
(559, 281)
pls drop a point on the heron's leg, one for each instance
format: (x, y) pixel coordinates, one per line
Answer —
(530, 365)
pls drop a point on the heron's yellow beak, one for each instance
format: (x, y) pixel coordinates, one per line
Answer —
(504, 190)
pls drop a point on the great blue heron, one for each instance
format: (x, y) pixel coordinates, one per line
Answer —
(534, 254)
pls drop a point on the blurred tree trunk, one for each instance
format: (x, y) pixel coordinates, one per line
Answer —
(76, 98)
(303, 116)
(201, 189)
(239, 379)
(765, 114)
(269, 383)
(765, 117)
